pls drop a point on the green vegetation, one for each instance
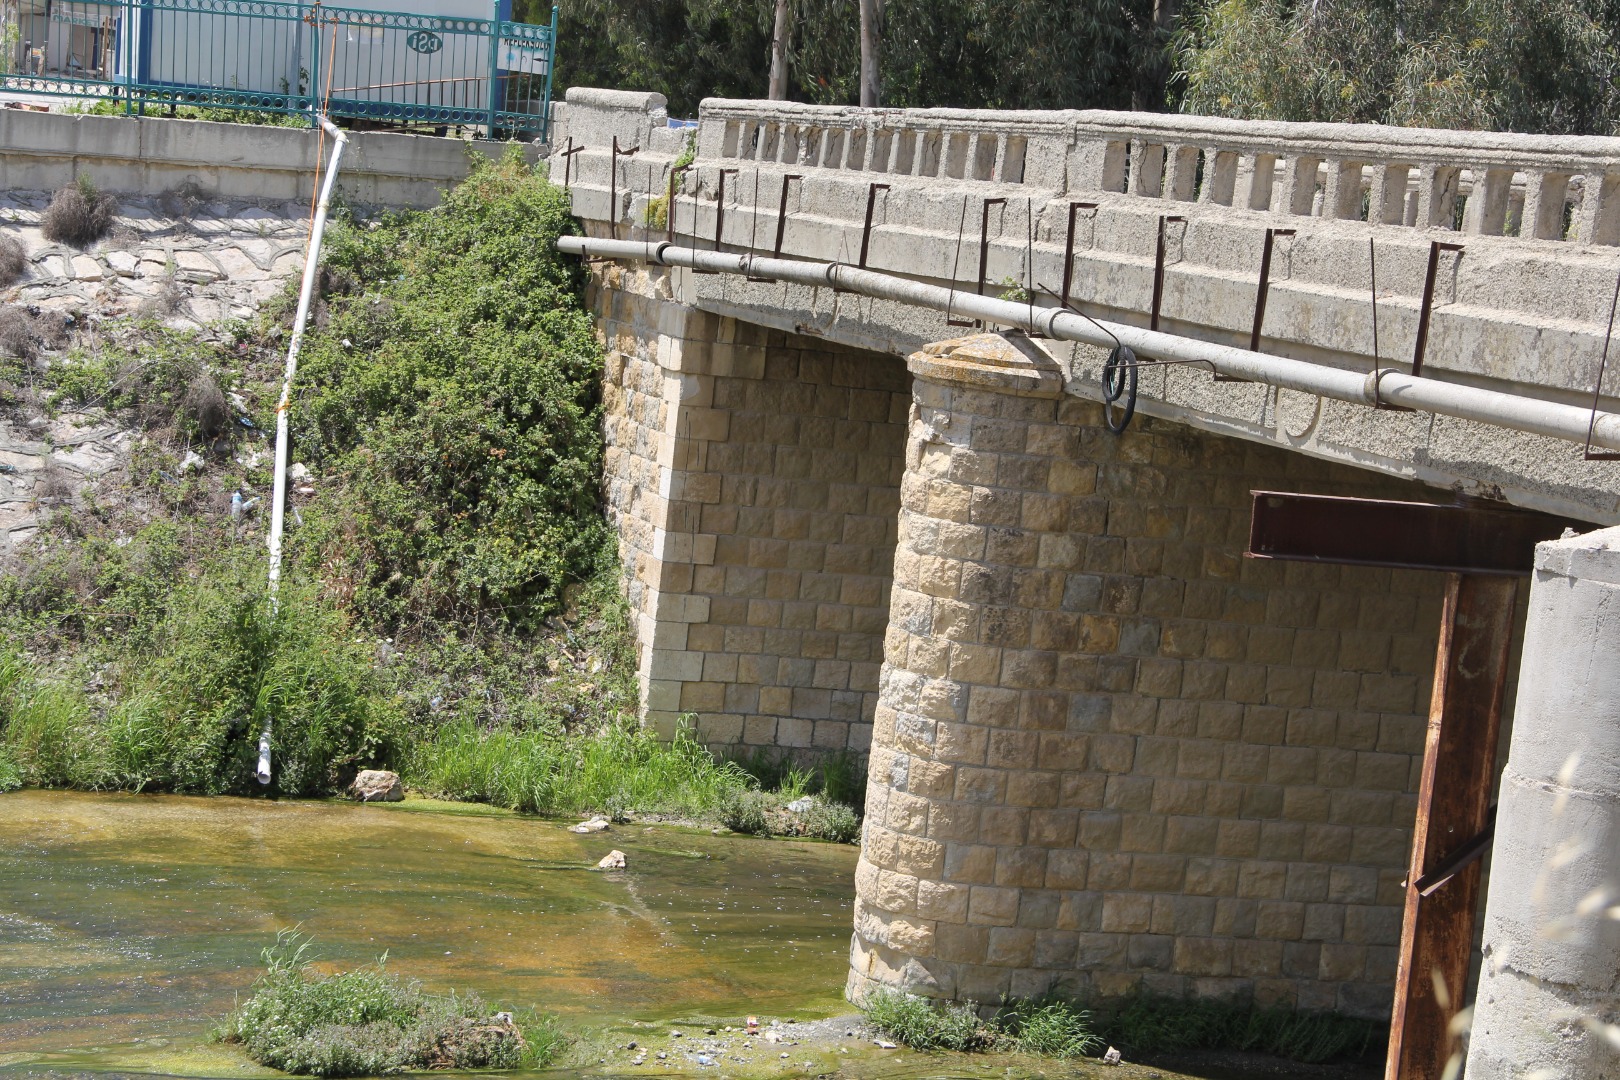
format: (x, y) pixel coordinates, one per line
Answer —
(370, 1022)
(1048, 1026)
(1517, 65)
(1150, 1025)
(1143, 1027)
(450, 606)
(112, 107)
(983, 54)
(620, 769)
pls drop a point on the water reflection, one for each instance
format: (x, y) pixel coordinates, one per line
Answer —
(128, 924)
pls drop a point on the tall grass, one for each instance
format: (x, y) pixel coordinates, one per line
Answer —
(182, 709)
(1146, 1025)
(619, 768)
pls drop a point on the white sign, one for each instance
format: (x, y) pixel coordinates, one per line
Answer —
(530, 59)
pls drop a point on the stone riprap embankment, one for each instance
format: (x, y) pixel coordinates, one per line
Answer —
(181, 259)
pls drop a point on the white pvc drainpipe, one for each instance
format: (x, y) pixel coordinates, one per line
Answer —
(278, 496)
(1387, 385)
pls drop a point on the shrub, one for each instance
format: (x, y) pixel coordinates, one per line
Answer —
(370, 1022)
(923, 1024)
(17, 333)
(78, 215)
(458, 392)
(13, 259)
(828, 820)
(743, 811)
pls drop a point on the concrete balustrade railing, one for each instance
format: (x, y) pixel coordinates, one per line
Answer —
(1481, 183)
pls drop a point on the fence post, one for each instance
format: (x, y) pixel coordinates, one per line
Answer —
(126, 56)
(494, 63)
(551, 66)
(315, 66)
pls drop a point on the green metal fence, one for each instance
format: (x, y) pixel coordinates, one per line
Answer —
(440, 69)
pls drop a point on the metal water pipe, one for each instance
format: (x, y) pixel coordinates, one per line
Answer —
(1385, 386)
(278, 496)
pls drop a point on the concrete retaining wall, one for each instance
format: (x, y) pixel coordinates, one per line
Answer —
(135, 154)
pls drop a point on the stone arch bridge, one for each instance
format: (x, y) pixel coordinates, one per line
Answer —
(1107, 750)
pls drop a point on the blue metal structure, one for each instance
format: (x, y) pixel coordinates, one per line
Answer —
(438, 67)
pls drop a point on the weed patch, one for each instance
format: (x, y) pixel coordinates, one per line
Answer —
(923, 1024)
(371, 1022)
(79, 214)
(13, 259)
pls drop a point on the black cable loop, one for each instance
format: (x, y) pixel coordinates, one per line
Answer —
(1119, 380)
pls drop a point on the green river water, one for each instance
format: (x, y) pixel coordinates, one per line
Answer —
(130, 924)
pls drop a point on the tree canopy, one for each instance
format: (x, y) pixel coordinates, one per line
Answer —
(1520, 65)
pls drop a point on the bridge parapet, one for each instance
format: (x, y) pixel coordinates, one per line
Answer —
(1030, 202)
(1479, 183)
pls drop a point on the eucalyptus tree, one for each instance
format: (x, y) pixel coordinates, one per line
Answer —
(1520, 65)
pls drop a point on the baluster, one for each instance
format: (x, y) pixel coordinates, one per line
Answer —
(1387, 202)
(1220, 176)
(1544, 198)
(1600, 209)
(1486, 211)
(1299, 185)
(1342, 200)
(1256, 175)
(1183, 172)
(1437, 196)
(1147, 169)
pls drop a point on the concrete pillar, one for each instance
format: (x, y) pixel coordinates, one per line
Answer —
(1549, 989)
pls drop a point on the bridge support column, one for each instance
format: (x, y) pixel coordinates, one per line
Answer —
(753, 477)
(1110, 754)
(1547, 998)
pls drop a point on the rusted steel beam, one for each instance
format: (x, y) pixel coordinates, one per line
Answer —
(1470, 539)
(1437, 929)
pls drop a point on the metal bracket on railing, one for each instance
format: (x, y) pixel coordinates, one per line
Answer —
(568, 161)
(669, 205)
(781, 217)
(956, 264)
(1158, 268)
(719, 214)
(1597, 391)
(1422, 343)
(1261, 295)
(866, 229)
(1068, 251)
(781, 214)
(984, 238)
(613, 184)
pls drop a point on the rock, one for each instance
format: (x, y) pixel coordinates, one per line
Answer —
(377, 785)
(85, 268)
(595, 824)
(1112, 1057)
(298, 471)
(613, 860)
(662, 1055)
(705, 1059)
